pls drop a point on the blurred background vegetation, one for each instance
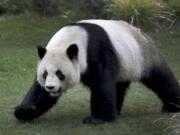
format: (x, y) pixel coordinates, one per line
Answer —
(158, 13)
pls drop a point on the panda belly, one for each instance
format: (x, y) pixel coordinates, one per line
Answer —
(128, 51)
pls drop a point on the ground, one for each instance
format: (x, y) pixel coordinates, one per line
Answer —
(19, 37)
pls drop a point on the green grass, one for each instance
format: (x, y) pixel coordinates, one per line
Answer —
(19, 37)
(142, 12)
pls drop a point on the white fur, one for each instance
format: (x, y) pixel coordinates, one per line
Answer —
(70, 35)
(126, 46)
(56, 59)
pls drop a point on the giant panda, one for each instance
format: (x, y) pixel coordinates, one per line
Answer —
(106, 56)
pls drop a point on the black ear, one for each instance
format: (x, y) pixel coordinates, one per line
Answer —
(72, 51)
(41, 51)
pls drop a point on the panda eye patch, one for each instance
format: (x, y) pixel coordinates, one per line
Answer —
(45, 74)
(60, 75)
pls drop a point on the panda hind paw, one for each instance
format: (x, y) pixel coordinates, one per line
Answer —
(171, 108)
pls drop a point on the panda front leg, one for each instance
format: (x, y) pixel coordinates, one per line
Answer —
(35, 103)
(103, 100)
(121, 88)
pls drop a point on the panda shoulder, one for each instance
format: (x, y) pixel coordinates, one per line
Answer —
(67, 35)
(114, 25)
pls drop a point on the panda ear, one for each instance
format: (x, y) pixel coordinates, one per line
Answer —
(72, 51)
(41, 51)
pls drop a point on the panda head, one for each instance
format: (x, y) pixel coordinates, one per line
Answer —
(58, 69)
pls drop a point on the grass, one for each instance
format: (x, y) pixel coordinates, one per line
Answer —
(19, 37)
(142, 12)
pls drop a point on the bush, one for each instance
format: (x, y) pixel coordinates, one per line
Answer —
(54, 7)
(46, 7)
(42, 7)
(137, 12)
(16, 6)
(92, 8)
(175, 6)
(140, 12)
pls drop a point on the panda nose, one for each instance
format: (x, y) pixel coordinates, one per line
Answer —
(50, 87)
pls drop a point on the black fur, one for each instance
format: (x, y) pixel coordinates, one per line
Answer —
(163, 82)
(100, 75)
(36, 102)
(41, 51)
(72, 51)
(121, 88)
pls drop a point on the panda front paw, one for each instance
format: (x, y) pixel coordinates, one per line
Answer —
(26, 112)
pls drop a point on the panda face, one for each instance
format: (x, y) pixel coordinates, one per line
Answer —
(57, 71)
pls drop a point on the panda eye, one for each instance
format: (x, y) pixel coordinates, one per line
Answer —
(45, 74)
(60, 75)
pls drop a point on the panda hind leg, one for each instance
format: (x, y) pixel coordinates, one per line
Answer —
(163, 82)
(121, 88)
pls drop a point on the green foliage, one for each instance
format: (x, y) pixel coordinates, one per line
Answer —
(46, 7)
(175, 6)
(41, 7)
(54, 7)
(16, 6)
(138, 12)
(88, 8)
(91, 7)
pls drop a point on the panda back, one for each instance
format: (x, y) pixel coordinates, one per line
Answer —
(127, 48)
